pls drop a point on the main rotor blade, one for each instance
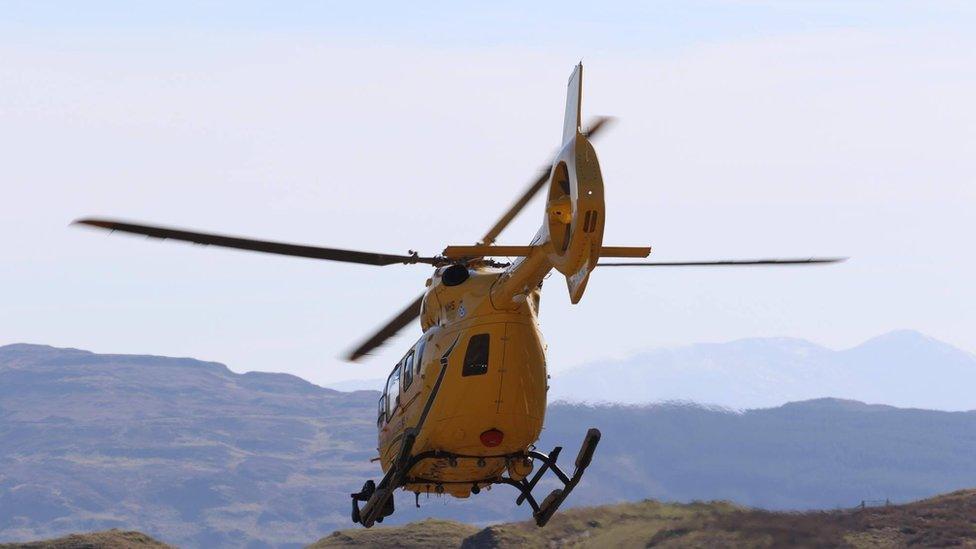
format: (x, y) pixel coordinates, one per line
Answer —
(406, 316)
(725, 263)
(535, 186)
(314, 252)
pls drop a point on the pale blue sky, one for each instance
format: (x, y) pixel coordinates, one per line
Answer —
(600, 26)
(747, 129)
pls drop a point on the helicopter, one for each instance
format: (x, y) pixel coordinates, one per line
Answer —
(464, 406)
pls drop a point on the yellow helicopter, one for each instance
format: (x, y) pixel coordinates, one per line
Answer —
(463, 408)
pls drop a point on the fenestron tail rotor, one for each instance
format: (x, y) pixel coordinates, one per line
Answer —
(594, 129)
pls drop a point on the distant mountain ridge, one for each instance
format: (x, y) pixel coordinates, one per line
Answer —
(199, 456)
(903, 368)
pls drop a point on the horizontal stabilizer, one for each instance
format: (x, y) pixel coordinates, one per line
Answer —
(625, 251)
(461, 252)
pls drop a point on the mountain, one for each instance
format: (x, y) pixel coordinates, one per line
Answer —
(358, 384)
(198, 456)
(903, 368)
(186, 450)
(818, 454)
(938, 522)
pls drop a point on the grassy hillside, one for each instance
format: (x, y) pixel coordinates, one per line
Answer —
(110, 539)
(948, 520)
(425, 533)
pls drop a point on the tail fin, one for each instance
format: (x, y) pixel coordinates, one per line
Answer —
(575, 208)
(574, 99)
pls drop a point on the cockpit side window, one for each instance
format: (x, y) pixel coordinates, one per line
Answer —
(407, 370)
(476, 357)
(418, 358)
(392, 392)
(381, 415)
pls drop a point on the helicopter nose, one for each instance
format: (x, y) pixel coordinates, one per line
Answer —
(492, 437)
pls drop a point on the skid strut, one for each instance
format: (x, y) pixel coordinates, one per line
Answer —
(379, 497)
(542, 512)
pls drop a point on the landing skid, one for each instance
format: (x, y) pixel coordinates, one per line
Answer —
(379, 497)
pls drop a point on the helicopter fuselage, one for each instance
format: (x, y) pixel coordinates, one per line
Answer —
(491, 399)
(474, 386)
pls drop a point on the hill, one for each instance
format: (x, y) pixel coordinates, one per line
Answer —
(111, 539)
(948, 520)
(942, 521)
(199, 456)
(186, 450)
(902, 368)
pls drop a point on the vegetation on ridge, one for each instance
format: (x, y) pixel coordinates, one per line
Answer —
(109, 539)
(948, 520)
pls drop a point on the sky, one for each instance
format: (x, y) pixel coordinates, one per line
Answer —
(745, 129)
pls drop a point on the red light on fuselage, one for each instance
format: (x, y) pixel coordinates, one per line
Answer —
(492, 438)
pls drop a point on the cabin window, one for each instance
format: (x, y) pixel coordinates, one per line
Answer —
(382, 411)
(407, 370)
(476, 357)
(392, 392)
